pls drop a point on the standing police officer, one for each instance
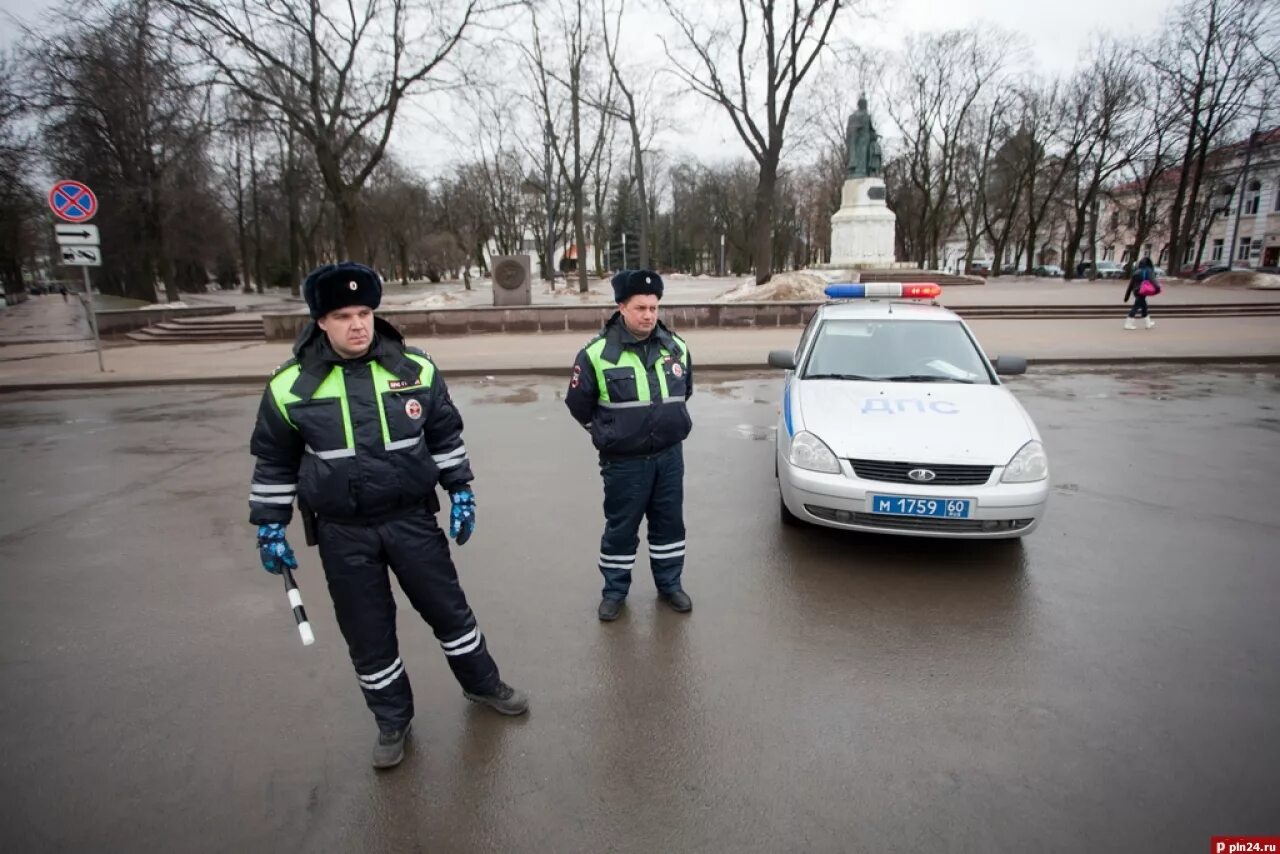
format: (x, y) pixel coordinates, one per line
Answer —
(629, 388)
(360, 428)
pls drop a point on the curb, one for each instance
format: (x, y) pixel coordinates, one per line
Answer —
(560, 371)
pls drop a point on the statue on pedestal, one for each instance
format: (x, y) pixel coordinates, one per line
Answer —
(862, 144)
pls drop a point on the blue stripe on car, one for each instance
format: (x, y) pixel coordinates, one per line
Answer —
(786, 407)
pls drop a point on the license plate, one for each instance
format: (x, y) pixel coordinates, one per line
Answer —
(902, 505)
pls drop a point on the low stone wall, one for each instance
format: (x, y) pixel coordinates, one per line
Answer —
(554, 318)
(118, 321)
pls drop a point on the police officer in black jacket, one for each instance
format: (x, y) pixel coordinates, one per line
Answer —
(359, 428)
(628, 388)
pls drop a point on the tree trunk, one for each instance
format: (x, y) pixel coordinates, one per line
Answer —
(1073, 246)
(762, 240)
(293, 196)
(579, 193)
(242, 236)
(351, 242)
(642, 189)
(1093, 237)
(258, 274)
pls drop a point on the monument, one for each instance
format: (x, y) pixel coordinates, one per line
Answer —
(863, 230)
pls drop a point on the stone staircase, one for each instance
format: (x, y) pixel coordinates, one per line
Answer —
(202, 330)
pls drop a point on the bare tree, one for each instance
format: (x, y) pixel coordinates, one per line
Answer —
(630, 111)
(1006, 162)
(940, 79)
(20, 209)
(1105, 96)
(119, 111)
(338, 72)
(1148, 166)
(788, 41)
(1051, 147)
(1212, 59)
(578, 148)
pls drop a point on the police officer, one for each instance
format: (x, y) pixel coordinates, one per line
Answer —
(359, 428)
(628, 388)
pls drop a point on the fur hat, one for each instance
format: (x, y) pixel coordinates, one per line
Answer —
(628, 283)
(334, 286)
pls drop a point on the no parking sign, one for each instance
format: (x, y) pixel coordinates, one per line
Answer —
(73, 201)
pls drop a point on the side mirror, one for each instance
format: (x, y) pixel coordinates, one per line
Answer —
(782, 359)
(1010, 365)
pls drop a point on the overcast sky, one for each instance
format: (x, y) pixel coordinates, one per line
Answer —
(1050, 35)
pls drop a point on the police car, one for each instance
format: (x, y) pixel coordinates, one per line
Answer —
(894, 421)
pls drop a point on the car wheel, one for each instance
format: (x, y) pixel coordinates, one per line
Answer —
(788, 518)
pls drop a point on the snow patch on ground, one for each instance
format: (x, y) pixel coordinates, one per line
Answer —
(783, 287)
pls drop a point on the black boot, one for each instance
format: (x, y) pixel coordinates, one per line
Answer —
(678, 600)
(504, 699)
(609, 610)
(389, 749)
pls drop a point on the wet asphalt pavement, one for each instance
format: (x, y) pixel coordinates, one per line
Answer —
(1110, 684)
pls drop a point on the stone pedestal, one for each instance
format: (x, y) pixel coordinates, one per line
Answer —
(863, 230)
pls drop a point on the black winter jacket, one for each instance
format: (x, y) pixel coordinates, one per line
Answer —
(355, 438)
(625, 425)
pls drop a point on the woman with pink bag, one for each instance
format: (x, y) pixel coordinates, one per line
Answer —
(1142, 284)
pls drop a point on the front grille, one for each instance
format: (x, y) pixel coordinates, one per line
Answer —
(919, 523)
(946, 475)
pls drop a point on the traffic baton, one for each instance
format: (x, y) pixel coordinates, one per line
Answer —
(299, 612)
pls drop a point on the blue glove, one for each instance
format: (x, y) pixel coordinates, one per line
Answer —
(462, 518)
(274, 549)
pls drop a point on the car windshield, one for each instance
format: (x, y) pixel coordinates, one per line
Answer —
(895, 351)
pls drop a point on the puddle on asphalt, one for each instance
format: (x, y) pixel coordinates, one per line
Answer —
(755, 432)
(524, 394)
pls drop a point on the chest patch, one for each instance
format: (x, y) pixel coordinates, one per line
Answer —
(677, 370)
(397, 384)
(413, 409)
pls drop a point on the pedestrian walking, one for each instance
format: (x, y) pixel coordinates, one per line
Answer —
(360, 429)
(628, 389)
(1142, 284)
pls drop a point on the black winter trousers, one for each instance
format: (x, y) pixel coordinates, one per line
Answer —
(637, 488)
(356, 558)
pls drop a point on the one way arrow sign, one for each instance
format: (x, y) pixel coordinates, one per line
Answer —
(69, 234)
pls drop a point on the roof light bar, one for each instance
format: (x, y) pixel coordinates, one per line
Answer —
(891, 290)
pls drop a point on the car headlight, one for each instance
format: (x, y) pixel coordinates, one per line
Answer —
(1028, 465)
(809, 452)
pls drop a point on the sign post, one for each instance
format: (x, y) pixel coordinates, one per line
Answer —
(78, 245)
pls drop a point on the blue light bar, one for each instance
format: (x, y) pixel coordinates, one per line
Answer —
(889, 290)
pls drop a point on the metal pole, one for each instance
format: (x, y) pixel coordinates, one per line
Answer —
(722, 270)
(93, 319)
(624, 250)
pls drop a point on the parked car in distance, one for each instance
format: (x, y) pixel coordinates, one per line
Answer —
(1052, 271)
(1106, 270)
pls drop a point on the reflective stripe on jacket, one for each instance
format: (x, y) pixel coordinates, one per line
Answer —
(631, 394)
(355, 438)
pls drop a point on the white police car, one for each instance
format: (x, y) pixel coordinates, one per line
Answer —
(894, 421)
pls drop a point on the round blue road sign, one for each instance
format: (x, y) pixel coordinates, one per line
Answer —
(73, 201)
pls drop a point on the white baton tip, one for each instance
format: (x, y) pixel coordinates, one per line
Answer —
(308, 637)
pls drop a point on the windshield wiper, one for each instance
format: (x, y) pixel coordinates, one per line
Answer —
(840, 377)
(926, 378)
